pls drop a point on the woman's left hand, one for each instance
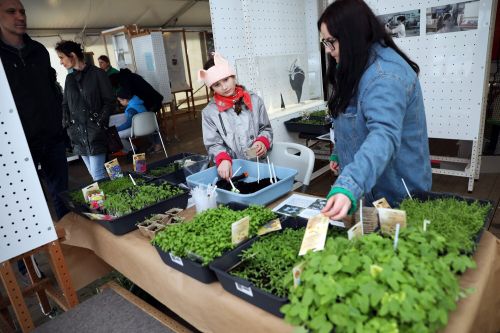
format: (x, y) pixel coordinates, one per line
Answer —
(337, 207)
(261, 148)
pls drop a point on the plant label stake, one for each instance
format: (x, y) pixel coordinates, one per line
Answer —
(234, 174)
(270, 173)
(355, 231)
(270, 226)
(297, 272)
(426, 222)
(315, 235)
(258, 169)
(361, 216)
(233, 188)
(274, 173)
(240, 230)
(389, 218)
(381, 203)
(132, 179)
(406, 188)
(396, 237)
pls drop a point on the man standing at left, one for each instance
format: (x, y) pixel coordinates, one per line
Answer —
(33, 85)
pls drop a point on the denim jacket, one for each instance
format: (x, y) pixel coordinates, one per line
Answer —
(382, 135)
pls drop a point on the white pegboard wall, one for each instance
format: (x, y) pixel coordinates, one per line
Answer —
(228, 29)
(248, 30)
(452, 69)
(25, 219)
(151, 62)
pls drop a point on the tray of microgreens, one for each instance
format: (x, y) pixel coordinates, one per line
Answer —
(317, 122)
(364, 284)
(120, 203)
(191, 246)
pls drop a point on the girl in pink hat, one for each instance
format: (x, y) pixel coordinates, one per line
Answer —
(234, 120)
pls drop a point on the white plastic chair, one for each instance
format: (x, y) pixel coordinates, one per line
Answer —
(295, 156)
(143, 124)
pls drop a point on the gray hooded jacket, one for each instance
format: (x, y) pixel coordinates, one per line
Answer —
(231, 133)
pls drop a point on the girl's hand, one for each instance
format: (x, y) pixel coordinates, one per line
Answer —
(224, 169)
(337, 207)
(261, 148)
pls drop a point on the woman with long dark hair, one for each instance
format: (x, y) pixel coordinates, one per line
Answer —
(377, 108)
(87, 104)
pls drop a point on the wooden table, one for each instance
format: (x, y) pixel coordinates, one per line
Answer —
(211, 309)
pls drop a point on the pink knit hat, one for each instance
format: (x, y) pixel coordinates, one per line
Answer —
(221, 70)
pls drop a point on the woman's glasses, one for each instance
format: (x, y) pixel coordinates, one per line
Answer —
(328, 43)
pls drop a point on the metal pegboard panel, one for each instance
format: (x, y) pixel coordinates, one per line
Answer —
(228, 29)
(452, 69)
(151, 62)
(248, 31)
(278, 27)
(25, 219)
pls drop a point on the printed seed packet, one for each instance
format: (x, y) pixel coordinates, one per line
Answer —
(139, 161)
(113, 169)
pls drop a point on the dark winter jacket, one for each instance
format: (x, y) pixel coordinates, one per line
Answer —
(86, 112)
(138, 86)
(34, 89)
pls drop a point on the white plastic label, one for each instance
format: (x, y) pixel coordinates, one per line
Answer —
(243, 289)
(176, 259)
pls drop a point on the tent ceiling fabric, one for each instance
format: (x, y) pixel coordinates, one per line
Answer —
(104, 14)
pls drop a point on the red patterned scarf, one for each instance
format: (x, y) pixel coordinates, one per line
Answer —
(224, 103)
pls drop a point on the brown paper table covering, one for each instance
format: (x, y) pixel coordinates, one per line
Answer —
(211, 309)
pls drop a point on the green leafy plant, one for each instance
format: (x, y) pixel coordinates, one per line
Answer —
(164, 170)
(107, 186)
(319, 113)
(138, 197)
(268, 263)
(208, 235)
(456, 220)
(365, 285)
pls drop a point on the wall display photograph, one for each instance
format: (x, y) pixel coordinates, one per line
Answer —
(402, 24)
(456, 17)
(122, 52)
(281, 78)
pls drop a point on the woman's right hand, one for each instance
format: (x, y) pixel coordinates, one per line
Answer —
(224, 169)
(337, 207)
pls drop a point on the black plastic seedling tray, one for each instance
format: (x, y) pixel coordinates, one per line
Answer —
(127, 223)
(245, 289)
(176, 177)
(193, 268)
(294, 125)
(426, 196)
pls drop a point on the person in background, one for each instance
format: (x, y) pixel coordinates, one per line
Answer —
(234, 120)
(133, 105)
(34, 88)
(377, 109)
(137, 86)
(87, 104)
(105, 65)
